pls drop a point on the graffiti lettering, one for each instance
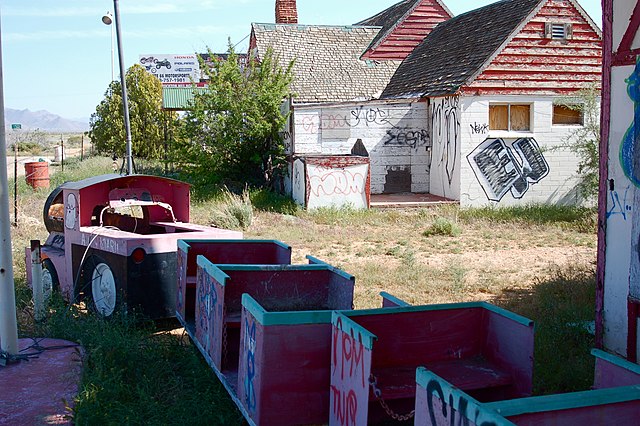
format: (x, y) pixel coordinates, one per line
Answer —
(619, 207)
(334, 121)
(182, 284)
(446, 124)
(345, 406)
(434, 387)
(370, 116)
(337, 182)
(309, 124)
(479, 129)
(249, 343)
(500, 168)
(406, 137)
(349, 376)
(351, 352)
(207, 300)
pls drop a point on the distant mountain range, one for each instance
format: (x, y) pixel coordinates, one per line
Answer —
(43, 120)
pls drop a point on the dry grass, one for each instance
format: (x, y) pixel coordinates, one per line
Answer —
(386, 250)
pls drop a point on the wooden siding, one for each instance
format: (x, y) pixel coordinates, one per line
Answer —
(409, 32)
(533, 64)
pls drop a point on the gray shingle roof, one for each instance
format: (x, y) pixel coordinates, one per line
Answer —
(456, 50)
(327, 60)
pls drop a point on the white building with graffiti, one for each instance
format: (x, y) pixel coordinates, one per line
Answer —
(618, 289)
(497, 130)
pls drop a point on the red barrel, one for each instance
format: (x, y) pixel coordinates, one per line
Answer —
(37, 174)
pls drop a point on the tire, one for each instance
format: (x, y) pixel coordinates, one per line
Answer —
(100, 286)
(54, 198)
(50, 281)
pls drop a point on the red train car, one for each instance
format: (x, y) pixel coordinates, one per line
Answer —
(113, 239)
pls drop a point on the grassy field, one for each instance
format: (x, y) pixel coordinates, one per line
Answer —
(537, 261)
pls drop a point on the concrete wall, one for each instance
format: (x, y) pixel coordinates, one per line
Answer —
(396, 137)
(510, 168)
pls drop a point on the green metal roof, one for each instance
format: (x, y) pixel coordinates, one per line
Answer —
(178, 98)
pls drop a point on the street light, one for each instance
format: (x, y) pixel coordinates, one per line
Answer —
(106, 19)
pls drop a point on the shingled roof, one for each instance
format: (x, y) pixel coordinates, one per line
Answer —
(457, 49)
(391, 17)
(327, 65)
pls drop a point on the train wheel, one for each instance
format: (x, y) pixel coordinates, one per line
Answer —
(50, 282)
(101, 287)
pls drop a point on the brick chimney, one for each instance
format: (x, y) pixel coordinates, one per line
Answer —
(286, 12)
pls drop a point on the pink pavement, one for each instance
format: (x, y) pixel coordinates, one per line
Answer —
(39, 390)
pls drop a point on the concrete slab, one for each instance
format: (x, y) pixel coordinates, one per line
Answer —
(38, 391)
(408, 200)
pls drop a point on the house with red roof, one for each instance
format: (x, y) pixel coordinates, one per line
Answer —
(492, 78)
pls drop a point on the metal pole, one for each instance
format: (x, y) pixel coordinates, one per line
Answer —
(8, 319)
(15, 182)
(123, 83)
(113, 61)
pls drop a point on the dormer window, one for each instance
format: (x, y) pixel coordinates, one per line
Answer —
(558, 31)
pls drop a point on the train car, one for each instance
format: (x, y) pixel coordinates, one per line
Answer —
(614, 399)
(113, 239)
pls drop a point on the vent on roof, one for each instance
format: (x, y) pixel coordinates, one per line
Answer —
(558, 31)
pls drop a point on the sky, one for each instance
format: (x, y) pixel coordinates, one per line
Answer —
(56, 54)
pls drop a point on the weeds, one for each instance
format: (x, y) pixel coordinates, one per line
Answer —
(562, 306)
(443, 226)
(235, 211)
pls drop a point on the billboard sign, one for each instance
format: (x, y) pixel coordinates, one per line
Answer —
(172, 69)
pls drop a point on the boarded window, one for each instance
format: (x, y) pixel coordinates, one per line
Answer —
(509, 117)
(499, 117)
(563, 115)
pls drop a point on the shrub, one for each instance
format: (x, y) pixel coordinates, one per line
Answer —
(443, 226)
(235, 212)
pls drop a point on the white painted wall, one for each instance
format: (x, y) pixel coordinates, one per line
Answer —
(552, 172)
(445, 115)
(337, 187)
(395, 135)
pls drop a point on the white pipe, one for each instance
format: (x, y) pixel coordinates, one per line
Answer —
(36, 280)
(8, 319)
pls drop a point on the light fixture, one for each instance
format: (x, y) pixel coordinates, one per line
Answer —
(107, 19)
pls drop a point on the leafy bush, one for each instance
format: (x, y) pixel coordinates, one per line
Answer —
(232, 128)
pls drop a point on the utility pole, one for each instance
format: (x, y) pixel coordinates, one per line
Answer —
(8, 318)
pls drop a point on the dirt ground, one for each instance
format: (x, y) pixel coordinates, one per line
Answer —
(486, 261)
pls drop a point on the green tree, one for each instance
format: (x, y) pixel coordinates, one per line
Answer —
(149, 122)
(231, 130)
(584, 141)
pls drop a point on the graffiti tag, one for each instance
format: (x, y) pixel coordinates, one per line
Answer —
(479, 129)
(446, 124)
(249, 344)
(406, 137)
(500, 167)
(619, 207)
